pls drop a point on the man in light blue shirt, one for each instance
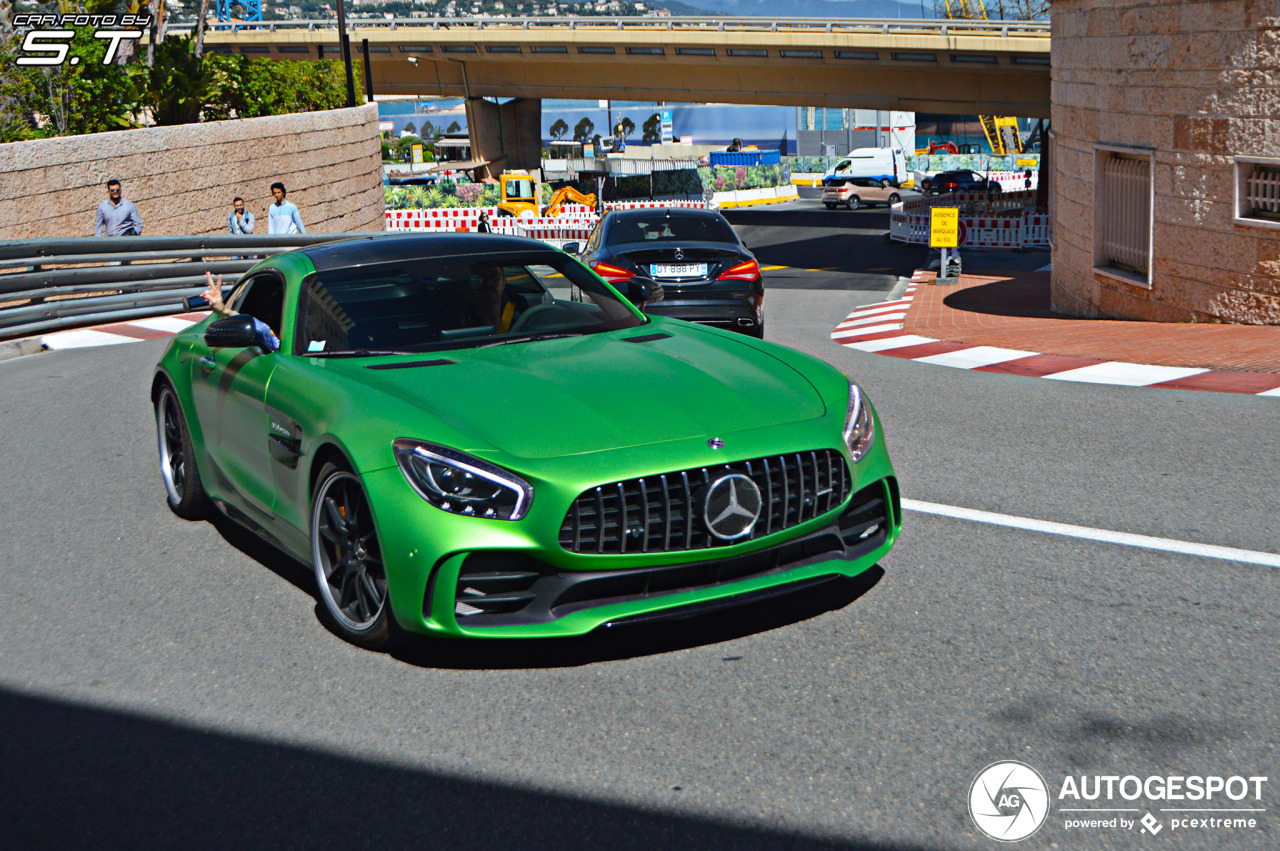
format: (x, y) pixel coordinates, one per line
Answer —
(283, 216)
(116, 216)
(239, 220)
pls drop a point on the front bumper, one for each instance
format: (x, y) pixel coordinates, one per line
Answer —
(535, 588)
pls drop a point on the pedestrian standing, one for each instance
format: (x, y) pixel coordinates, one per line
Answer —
(116, 216)
(283, 216)
(482, 226)
(239, 220)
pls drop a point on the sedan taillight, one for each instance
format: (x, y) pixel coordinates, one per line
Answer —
(613, 274)
(748, 271)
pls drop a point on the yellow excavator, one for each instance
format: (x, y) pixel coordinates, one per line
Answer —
(520, 198)
(1001, 130)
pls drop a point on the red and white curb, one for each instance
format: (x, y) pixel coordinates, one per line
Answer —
(122, 332)
(879, 328)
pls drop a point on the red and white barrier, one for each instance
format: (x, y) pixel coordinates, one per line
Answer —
(1017, 231)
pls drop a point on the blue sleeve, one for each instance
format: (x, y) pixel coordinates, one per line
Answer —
(297, 220)
(266, 335)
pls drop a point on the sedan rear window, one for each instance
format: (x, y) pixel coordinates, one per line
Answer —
(679, 228)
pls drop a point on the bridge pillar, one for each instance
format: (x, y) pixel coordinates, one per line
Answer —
(507, 135)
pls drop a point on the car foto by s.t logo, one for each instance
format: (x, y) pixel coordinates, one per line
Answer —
(1008, 801)
(52, 46)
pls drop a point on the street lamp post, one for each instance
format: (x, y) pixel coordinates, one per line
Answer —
(345, 43)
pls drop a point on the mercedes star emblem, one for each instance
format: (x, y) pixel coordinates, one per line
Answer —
(679, 253)
(732, 507)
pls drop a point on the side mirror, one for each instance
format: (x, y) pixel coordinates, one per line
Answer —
(195, 302)
(571, 248)
(238, 332)
(643, 291)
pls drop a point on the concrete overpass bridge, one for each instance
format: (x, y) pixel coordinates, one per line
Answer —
(955, 67)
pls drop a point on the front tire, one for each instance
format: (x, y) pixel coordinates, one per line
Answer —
(829, 206)
(182, 485)
(894, 198)
(350, 575)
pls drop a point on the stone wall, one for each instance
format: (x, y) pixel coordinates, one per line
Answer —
(1196, 85)
(183, 178)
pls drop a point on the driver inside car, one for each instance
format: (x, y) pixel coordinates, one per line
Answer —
(492, 303)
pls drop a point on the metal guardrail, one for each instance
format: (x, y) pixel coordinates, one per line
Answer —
(59, 283)
(870, 26)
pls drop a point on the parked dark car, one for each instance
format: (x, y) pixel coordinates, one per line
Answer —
(707, 275)
(962, 180)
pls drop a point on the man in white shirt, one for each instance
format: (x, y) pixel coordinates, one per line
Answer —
(283, 216)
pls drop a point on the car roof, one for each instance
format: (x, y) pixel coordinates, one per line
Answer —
(672, 212)
(366, 250)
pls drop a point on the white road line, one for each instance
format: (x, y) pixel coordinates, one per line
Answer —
(878, 310)
(164, 323)
(1088, 533)
(890, 343)
(975, 357)
(83, 339)
(1275, 392)
(872, 320)
(1127, 374)
(864, 331)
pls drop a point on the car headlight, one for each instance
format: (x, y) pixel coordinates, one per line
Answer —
(461, 484)
(859, 424)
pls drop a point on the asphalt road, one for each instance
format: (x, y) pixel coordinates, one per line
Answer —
(168, 684)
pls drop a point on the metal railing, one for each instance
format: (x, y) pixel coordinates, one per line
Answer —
(868, 26)
(50, 284)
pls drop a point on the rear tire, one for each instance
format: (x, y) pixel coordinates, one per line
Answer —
(854, 203)
(347, 560)
(183, 489)
(829, 206)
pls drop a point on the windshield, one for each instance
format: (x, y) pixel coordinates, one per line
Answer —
(660, 226)
(520, 190)
(441, 303)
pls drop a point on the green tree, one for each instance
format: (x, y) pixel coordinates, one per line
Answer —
(558, 129)
(254, 87)
(650, 129)
(454, 127)
(178, 84)
(628, 126)
(583, 129)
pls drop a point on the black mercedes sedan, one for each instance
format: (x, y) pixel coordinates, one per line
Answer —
(706, 273)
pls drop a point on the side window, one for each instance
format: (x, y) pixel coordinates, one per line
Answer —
(593, 241)
(264, 300)
(844, 165)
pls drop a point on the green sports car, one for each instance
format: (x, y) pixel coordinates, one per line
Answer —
(474, 435)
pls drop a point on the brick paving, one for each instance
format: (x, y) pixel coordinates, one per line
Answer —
(1011, 311)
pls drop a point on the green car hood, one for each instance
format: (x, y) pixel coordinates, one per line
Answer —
(552, 398)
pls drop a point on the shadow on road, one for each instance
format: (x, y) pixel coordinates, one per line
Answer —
(82, 777)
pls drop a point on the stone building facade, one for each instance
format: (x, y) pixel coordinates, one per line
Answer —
(183, 178)
(1166, 160)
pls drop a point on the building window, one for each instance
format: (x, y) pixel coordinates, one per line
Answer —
(1122, 213)
(1258, 191)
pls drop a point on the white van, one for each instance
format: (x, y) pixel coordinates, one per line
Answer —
(887, 165)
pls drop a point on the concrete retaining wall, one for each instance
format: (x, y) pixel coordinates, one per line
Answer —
(183, 178)
(1193, 84)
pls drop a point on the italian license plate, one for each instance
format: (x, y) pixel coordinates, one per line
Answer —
(678, 270)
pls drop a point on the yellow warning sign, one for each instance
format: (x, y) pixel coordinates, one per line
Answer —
(1032, 163)
(944, 227)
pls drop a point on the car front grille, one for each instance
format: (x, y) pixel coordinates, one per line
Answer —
(664, 513)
